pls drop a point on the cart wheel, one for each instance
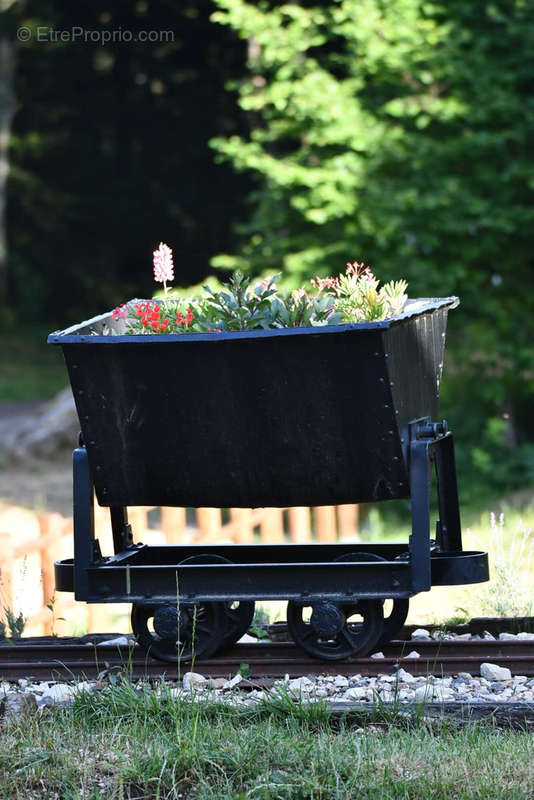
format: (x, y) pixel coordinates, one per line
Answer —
(237, 614)
(330, 633)
(192, 631)
(396, 618)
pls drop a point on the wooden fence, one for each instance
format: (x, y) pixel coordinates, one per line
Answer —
(30, 542)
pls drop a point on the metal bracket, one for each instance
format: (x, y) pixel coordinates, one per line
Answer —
(85, 545)
(424, 429)
(122, 530)
(432, 442)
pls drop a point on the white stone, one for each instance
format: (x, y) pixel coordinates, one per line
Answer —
(525, 637)
(492, 672)
(357, 693)
(341, 682)
(300, 684)
(488, 636)
(432, 693)
(232, 682)
(507, 637)
(378, 655)
(118, 641)
(466, 676)
(413, 654)
(61, 692)
(247, 639)
(405, 677)
(421, 633)
(192, 680)
(462, 637)
(217, 683)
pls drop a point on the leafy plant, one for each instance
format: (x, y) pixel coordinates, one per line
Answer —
(357, 297)
(244, 670)
(51, 607)
(15, 623)
(259, 621)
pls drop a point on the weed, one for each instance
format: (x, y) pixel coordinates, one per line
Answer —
(508, 594)
(244, 670)
(51, 607)
(15, 623)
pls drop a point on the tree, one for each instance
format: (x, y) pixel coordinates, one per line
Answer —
(7, 109)
(109, 151)
(398, 133)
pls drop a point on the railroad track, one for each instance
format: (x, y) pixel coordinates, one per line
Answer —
(60, 659)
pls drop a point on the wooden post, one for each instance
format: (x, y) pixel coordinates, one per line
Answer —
(209, 524)
(137, 518)
(173, 524)
(241, 521)
(347, 520)
(299, 524)
(325, 523)
(51, 528)
(272, 526)
(6, 572)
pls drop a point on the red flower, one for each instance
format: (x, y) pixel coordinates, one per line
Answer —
(119, 312)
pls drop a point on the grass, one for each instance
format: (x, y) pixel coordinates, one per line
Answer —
(30, 370)
(126, 743)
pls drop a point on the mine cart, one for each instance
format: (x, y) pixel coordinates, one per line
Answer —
(290, 417)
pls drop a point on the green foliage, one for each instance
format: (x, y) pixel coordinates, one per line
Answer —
(15, 624)
(400, 131)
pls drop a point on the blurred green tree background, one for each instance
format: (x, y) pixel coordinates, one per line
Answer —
(400, 133)
(292, 137)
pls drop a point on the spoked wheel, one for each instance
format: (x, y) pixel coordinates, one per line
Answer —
(237, 614)
(396, 617)
(395, 620)
(169, 633)
(332, 632)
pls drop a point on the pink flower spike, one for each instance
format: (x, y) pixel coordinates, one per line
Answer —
(163, 266)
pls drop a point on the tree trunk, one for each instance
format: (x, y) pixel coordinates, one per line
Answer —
(7, 109)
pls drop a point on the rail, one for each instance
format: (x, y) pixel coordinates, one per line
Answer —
(53, 659)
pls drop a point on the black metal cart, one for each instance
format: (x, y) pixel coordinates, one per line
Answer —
(291, 417)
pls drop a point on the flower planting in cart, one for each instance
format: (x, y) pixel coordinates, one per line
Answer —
(354, 296)
(250, 396)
